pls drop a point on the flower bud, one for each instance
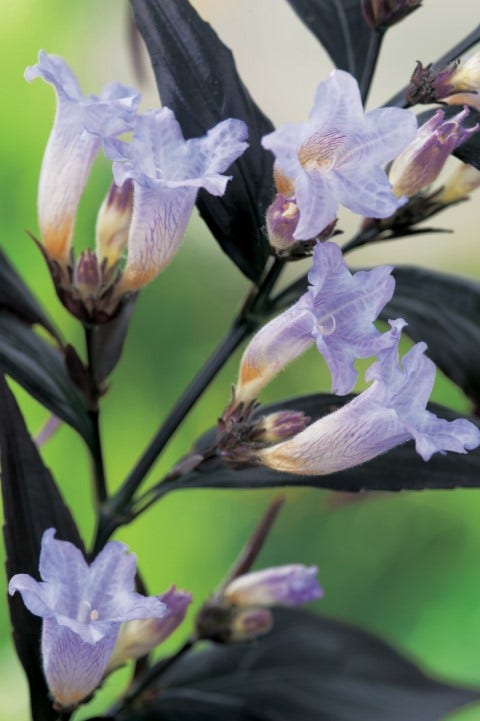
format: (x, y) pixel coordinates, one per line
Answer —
(249, 623)
(460, 184)
(113, 222)
(421, 162)
(381, 14)
(464, 83)
(279, 426)
(223, 623)
(282, 220)
(278, 586)
(137, 638)
(457, 83)
(87, 278)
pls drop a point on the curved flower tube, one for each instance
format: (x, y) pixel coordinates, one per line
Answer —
(336, 157)
(82, 608)
(80, 123)
(167, 172)
(337, 313)
(421, 162)
(278, 586)
(390, 412)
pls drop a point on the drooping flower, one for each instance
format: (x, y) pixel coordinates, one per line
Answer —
(137, 638)
(167, 172)
(82, 608)
(390, 412)
(421, 163)
(278, 586)
(337, 313)
(336, 157)
(80, 123)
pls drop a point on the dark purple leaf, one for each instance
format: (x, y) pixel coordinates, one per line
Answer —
(16, 298)
(308, 668)
(31, 503)
(40, 368)
(342, 30)
(198, 80)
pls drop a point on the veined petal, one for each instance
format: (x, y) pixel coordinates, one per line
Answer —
(386, 133)
(80, 123)
(376, 199)
(318, 205)
(82, 607)
(159, 221)
(72, 667)
(344, 308)
(337, 103)
(272, 348)
(337, 156)
(390, 412)
(167, 172)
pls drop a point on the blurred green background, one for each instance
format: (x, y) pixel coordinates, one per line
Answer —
(402, 565)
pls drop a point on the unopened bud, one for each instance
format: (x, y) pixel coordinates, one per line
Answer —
(87, 277)
(457, 83)
(381, 14)
(421, 162)
(282, 220)
(279, 426)
(113, 222)
(224, 623)
(249, 623)
(278, 586)
(460, 184)
(137, 638)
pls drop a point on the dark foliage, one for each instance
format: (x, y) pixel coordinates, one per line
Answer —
(31, 504)
(198, 80)
(309, 668)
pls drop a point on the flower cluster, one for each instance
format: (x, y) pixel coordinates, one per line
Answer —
(157, 177)
(337, 313)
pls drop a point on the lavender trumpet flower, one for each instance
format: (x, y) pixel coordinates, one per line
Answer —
(80, 123)
(390, 412)
(167, 172)
(337, 313)
(82, 608)
(336, 157)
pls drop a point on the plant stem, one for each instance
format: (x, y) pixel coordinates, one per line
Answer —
(98, 468)
(254, 545)
(237, 334)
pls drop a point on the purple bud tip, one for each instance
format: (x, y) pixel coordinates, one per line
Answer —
(282, 220)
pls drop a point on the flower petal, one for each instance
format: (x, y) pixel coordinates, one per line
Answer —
(390, 412)
(72, 147)
(73, 668)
